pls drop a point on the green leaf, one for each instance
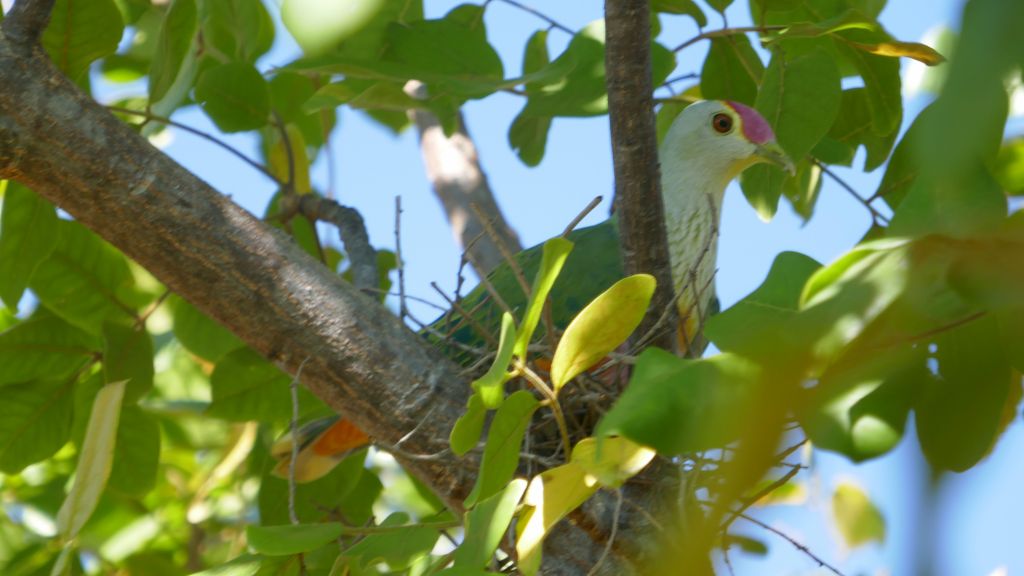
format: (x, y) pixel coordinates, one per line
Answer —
(1009, 167)
(853, 128)
(896, 49)
(43, 348)
(245, 565)
(556, 250)
(800, 97)
(504, 439)
(291, 538)
(528, 137)
(485, 525)
(349, 487)
(288, 93)
(398, 548)
(128, 355)
(802, 189)
(80, 32)
(958, 415)
(551, 495)
(235, 96)
(583, 91)
(490, 386)
(719, 5)
(94, 461)
(28, 235)
(857, 518)
(772, 308)
(319, 25)
(732, 70)
(85, 280)
(136, 453)
(466, 432)
(970, 204)
(686, 7)
(611, 461)
(35, 421)
(200, 334)
(601, 327)
(536, 57)
(382, 95)
(173, 47)
(677, 406)
(245, 386)
(239, 29)
(882, 86)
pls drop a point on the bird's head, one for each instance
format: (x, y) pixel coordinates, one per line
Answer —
(721, 139)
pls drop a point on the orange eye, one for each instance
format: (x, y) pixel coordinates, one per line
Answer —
(722, 123)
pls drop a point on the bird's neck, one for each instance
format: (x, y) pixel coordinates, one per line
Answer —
(692, 188)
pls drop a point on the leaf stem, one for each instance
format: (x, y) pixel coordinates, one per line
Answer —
(549, 394)
(722, 32)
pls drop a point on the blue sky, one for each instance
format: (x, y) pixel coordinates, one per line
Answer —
(970, 519)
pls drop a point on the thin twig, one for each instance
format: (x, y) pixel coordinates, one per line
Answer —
(468, 317)
(141, 320)
(748, 502)
(726, 32)
(795, 544)
(549, 394)
(292, 517)
(876, 216)
(403, 311)
(509, 258)
(150, 117)
(611, 535)
(583, 214)
(552, 22)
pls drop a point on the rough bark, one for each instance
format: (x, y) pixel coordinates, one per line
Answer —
(454, 171)
(635, 153)
(355, 355)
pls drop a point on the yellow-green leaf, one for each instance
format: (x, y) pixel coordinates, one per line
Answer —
(490, 385)
(897, 49)
(468, 427)
(601, 327)
(550, 496)
(857, 518)
(611, 461)
(94, 462)
(555, 252)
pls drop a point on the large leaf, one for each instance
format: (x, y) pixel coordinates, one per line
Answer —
(319, 25)
(398, 548)
(235, 96)
(128, 356)
(86, 280)
(136, 454)
(239, 29)
(556, 250)
(28, 234)
(80, 32)
(504, 440)
(173, 48)
(732, 70)
(485, 525)
(35, 421)
(349, 480)
(291, 538)
(43, 348)
(550, 496)
(245, 386)
(199, 333)
(528, 135)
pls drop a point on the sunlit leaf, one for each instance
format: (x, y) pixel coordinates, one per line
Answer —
(858, 519)
(43, 348)
(291, 538)
(28, 235)
(128, 356)
(556, 251)
(35, 421)
(610, 462)
(199, 333)
(245, 386)
(319, 25)
(397, 548)
(245, 565)
(173, 47)
(601, 327)
(550, 496)
(241, 29)
(486, 524)
(80, 32)
(504, 440)
(732, 70)
(490, 386)
(94, 461)
(466, 432)
(896, 49)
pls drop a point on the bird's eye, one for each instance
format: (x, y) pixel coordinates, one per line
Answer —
(722, 123)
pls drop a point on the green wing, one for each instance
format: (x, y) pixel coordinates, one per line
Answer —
(594, 264)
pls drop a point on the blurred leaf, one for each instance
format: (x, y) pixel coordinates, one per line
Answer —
(136, 453)
(239, 29)
(245, 565)
(486, 524)
(318, 25)
(289, 91)
(677, 406)
(173, 47)
(43, 348)
(94, 461)
(528, 137)
(397, 548)
(882, 86)
(858, 519)
(314, 500)
(28, 235)
(490, 387)
(291, 538)
(466, 432)
(128, 356)
(556, 250)
(288, 162)
(802, 189)
(853, 128)
(86, 280)
(904, 168)
(688, 8)
(897, 49)
(732, 70)
(550, 496)
(1008, 170)
(745, 543)
(610, 462)
(972, 203)
(583, 91)
(603, 325)
(245, 386)
(504, 439)
(800, 97)
(199, 333)
(235, 96)
(35, 421)
(958, 415)
(774, 304)
(80, 32)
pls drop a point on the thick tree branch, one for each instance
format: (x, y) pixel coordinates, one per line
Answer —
(26, 21)
(459, 182)
(635, 153)
(253, 279)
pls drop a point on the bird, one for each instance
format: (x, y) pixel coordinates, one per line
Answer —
(707, 146)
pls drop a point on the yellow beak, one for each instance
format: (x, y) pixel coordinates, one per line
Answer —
(772, 153)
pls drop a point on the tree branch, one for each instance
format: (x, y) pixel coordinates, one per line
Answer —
(635, 152)
(25, 23)
(459, 182)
